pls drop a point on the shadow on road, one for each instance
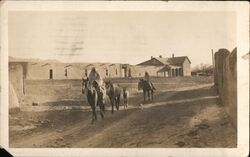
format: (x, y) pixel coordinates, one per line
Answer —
(165, 96)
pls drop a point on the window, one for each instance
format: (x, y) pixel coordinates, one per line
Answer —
(66, 72)
(180, 72)
(116, 72)
(129, 72)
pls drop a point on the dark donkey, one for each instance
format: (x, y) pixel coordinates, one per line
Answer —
(114, 92)
(147, 89)
(94, 97)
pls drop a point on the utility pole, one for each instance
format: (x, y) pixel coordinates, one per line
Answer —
(213, 59)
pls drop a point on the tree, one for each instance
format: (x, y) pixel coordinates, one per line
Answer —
(206, 69)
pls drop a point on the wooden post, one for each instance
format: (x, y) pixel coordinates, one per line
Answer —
(213, 59)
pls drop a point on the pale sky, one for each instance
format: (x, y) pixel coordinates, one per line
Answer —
(120, 37)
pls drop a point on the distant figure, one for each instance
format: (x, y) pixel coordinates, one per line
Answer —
(125, 97)
(147, 78)
(85, 79)
(146, 88)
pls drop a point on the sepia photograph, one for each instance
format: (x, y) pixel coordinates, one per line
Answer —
(123, 79)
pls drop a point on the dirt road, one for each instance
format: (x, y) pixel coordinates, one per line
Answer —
(185, 117)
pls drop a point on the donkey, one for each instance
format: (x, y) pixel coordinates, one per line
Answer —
(114, 92)
(95, 98)
(125, 97)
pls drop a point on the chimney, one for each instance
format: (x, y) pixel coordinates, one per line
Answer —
(172, 55)
(160, 56)
(152, 57)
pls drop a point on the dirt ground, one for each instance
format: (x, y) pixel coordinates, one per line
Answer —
(182, 117)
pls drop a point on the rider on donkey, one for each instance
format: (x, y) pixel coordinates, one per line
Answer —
(147, 78)
(94, 77)
(95, 81)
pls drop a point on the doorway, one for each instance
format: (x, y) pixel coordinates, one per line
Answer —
(124, 72)
(50, 74)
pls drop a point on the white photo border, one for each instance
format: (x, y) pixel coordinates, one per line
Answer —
(242, 10)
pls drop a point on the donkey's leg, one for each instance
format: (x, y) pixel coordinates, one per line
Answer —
(152, 94)
(115, 103)
(95, 114)
(148, 95)
(144, 96)
(104, 107)
(118, 102)
(101, 104)
(95, 103)
(94, 117)
(112, 105)
(124, 103)
(115, 106)
(127, 102)
(101, 110)
(91, 103)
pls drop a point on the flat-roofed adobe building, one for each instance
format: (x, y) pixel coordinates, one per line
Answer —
(35, 69)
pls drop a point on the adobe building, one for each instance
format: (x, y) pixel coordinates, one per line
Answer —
(51, 69)
(34, 69)
(167, 67)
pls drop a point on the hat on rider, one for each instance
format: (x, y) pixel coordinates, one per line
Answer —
(94, 69)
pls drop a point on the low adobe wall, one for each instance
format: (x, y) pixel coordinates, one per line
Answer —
(225, 79)
(16, 90)
(14, 104)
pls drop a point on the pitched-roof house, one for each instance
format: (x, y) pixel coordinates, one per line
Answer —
(173, 66)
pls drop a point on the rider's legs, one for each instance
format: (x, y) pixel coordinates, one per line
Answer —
(152, 86)
(100, 91)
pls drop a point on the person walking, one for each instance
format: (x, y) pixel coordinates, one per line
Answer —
(147, 78)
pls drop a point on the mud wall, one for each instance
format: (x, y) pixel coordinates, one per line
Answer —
(13, 99)
(139, 71)
(16, 88)
(41, 91)
(225, 79)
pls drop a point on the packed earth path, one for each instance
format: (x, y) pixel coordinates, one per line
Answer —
(184, 117)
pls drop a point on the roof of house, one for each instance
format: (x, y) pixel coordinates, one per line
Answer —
(178, 60)
(170, 61)
(165, 68)
(162, 60)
